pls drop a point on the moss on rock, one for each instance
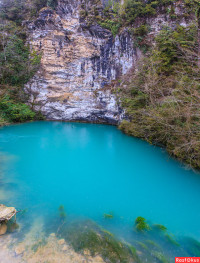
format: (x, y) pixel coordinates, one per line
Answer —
(87, 236)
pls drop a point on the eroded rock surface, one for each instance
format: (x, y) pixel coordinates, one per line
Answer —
(78, 62)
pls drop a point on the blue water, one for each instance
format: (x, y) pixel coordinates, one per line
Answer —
(96, 169)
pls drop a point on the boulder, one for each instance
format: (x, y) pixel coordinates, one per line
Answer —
(6, 213)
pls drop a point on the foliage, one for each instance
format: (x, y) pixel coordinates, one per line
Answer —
(17, 65)
(117, 15)
(111, 25)
(14, 111)
(14, 10)
(141, 224)
(139, 8)
(20, 10)
(162, 96)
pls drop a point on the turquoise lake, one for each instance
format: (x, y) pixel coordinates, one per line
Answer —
(94, 169)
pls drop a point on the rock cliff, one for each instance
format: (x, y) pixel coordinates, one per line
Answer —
(78, 62)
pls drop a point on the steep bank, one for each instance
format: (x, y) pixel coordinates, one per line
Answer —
(78, 62)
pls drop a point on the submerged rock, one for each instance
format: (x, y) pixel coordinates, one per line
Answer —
(3, 229)
(90, 240)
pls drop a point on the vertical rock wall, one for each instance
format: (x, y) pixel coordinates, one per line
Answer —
(77, 64)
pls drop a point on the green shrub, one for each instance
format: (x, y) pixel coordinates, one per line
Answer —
(15, 112)
(111, 25)
(17, 65)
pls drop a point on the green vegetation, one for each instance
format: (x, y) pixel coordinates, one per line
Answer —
(141, 224)
(87, 236)
(115, 15)
(162, 97)
(108, 216)
(111, 25)
(170, 239)
(134, 9)
(159, 227)
(19, 10)
(151, 244)
(142, 245)
(108, 232)
(62, 212)
(18, 63)
(13, 111)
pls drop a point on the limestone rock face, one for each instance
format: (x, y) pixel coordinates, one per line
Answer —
(78, 62)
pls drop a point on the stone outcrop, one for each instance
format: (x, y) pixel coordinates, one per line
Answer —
(78, 62)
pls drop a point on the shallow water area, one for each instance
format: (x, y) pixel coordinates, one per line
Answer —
(93, 170)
